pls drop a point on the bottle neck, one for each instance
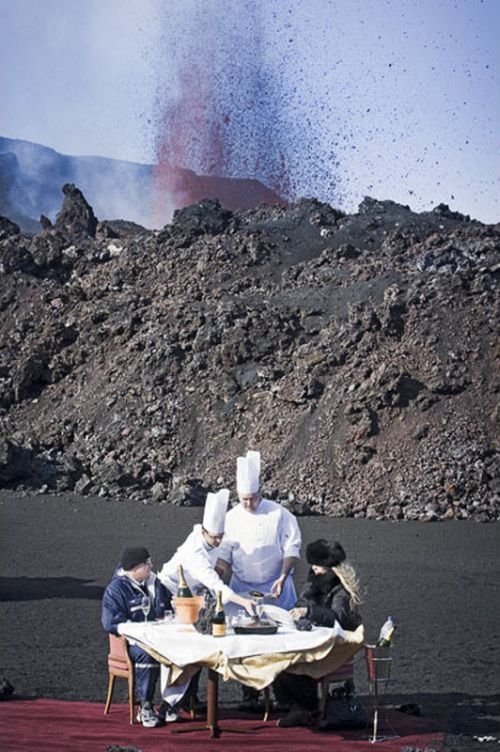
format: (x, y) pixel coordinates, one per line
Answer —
(182, 579)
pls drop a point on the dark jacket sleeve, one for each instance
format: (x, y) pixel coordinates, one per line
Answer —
(337, 610)
(114, 609)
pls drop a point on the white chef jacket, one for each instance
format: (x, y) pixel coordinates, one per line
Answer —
(198, 561)
(255, 544)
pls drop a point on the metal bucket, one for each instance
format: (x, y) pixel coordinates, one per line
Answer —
(378, 663)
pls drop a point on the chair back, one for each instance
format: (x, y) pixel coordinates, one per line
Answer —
(118, 658)
(120, 664)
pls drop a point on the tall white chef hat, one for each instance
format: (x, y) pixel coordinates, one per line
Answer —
(214, 516)
(248, 473)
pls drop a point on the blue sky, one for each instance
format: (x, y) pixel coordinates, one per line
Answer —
(397, 99)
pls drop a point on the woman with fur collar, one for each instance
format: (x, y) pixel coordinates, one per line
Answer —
(331, 594)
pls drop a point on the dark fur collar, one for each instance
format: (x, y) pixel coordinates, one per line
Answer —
(321, 584)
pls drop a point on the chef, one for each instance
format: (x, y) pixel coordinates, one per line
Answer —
(199, 552)
(262, 539)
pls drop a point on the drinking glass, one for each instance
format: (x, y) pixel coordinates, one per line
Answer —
(145, 606)
(259, 607)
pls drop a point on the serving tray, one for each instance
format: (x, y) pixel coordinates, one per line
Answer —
(263, 627)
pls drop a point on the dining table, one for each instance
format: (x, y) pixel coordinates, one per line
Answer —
(251, 659)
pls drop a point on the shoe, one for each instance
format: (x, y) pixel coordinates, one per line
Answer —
(296, 718)
(166, 714)
(148, 717)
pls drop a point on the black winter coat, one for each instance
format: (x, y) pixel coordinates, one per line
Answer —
(328, 601)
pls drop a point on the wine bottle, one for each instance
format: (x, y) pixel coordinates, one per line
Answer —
(219, 618)
(386, 633)
(183, 590)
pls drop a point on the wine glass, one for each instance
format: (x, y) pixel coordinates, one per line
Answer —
(238, 619)
(145, 606)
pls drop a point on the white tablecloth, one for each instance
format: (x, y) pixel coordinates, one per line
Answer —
(183, 645)
(254, 660)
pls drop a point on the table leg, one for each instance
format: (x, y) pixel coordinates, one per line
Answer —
(213, 703)
(212, 723)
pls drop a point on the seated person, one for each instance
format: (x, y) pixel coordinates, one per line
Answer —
(330, 595)
(131, 582)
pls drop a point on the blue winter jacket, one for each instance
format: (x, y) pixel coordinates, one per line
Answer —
(122, 601)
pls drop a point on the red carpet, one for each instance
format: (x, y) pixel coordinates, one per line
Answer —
(56, 725)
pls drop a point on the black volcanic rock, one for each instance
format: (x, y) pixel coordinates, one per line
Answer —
(45, 222)
(6, 689)
(76, 217)
(358, 352)
(205, 217)
(8, 228)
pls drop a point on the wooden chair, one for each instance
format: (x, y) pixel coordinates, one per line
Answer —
(343, 674)
(120, 664)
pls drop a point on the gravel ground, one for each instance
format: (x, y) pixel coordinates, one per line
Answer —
(439, 581)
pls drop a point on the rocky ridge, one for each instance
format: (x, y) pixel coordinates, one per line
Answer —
(358, 352)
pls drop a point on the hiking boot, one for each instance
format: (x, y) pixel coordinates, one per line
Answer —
(296, 718)
(148, 717)
(166, 713)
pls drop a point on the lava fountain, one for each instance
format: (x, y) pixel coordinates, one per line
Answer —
(222, 126)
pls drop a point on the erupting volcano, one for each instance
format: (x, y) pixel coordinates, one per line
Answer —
(224, 125)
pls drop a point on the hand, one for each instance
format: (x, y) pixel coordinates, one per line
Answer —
(277, 586)
(297, 613)
(247, 604)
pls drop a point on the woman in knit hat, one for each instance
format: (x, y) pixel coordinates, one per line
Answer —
(330, 595)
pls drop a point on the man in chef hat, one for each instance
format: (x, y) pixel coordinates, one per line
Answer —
(260, 548)
(198, 556)
(199, 552)
(214, 517)
(267, 539)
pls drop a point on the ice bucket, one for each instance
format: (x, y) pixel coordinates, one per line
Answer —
(187, 610)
